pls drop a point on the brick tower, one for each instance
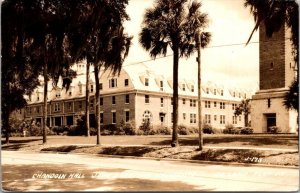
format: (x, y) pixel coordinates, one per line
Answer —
(276, 73)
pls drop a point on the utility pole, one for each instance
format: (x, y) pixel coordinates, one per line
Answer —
(198, 41)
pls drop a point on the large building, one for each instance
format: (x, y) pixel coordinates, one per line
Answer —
(137, 93)
(276, 73)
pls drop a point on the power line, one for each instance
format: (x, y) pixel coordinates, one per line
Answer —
(215, 46)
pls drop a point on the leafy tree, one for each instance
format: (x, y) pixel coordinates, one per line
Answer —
(290, 99)
(274, 14)
(243, 108)
(174, 24)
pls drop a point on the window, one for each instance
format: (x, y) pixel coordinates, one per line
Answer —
(192, 88)
(215, 104)
(126, 82)
(113, 83)
(101, 86)
(29, 110)
(70, 106)
(215, 117)
(161, 102)
(222, 105)
(184, 116)
(239, 95)
(101, 117)
(207, 90)
(192, 118)
(172, 101)
(91, 103)
(38, 109)
(271, 66)
(147, 99)
(240, 118)
(161, 85)
(101, 101)
(56, 107)
(207, 104)
(80, 89)
(57, 94)
(114, 118)
(183, 101)
(215, 92)
(192, 103)
(92, 88)
(183, 87)
(126, 116)
(222, 119)
(146, 81)
(127, 99)
(222, 92)
(207, 119)
(70, 93)
(80, 104)
(234, 120)
(269, 103)
(113, 100)
(147, 116)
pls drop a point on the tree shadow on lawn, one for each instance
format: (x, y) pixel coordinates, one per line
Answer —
(20, 178)
(13, 147)
(66, 148)
(243, 140)
(13, 141)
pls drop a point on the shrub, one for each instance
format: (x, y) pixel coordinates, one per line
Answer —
(183, 130)
(246, 130)
(129, 128)
(274, 129)
(230, 129)
(58, 129)
(146, 127)
(109, 129)
(207, 128)
(76, 130)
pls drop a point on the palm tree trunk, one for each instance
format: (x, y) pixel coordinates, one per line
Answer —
(87, 100)
(45, 102)
(97, 99)
(199, 93)
(175, 97)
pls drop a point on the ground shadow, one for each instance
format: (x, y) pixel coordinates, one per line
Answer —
(250, 140)
(20, 141)
(29, 178)
(13, 147)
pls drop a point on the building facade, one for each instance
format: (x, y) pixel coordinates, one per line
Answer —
(138, 94)
(276, 73)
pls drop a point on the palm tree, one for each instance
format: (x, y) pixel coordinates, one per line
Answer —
(243, 108)
(170, 24)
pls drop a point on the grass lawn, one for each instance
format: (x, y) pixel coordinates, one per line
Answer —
(267, 141)
(284, 152)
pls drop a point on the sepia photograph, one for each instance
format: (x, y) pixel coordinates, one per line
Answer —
(149, 95)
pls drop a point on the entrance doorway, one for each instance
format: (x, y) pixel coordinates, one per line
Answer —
(271, 120)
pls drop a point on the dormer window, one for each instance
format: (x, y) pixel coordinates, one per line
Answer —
(222, 92)
(113, 83)
(207, 90)
(183, 87)
(215, 91)
(192, 88)
(38, 98)
(80, 89)
(161, 85)
(92, 88)
(146, 81)
(101, 86)
(233, 94)
(57, 94)
(239, 95)
(70, 93)
(126, 82)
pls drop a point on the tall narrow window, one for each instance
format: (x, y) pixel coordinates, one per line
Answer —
(161, 102)
(113, 83)
(161, 84)
(92, 88)
(126, 116)
(127, 99)
(101, 101)
(101, 86)
(183, 87)
(146, 81)
(91, 103)
(147, 100)
(183, 101)
(113, 100)
(126, 82)
(101, 117)
(269, 103)
(192, 88)
(114, 118)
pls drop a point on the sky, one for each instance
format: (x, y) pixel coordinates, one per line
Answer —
(229, 23)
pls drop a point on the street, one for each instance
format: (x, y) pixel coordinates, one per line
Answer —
(30, 171)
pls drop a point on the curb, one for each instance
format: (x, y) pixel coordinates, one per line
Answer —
(178, 160)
